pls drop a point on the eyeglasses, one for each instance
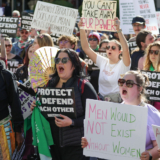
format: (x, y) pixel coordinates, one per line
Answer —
(8, 45)
(93, 39)
(63, 60)
(24, 32)
(156, 52)
(129, 83)
(112, 47)
(63, 42)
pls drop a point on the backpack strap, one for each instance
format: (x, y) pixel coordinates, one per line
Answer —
(81, 84)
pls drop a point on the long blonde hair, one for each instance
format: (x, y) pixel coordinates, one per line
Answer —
(147, 62)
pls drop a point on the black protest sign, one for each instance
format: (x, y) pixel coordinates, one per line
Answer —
(91, 65)
(26, 21)
(56, 101)
(12, 65)
(8, 26)
(153, 89)
(55, 38)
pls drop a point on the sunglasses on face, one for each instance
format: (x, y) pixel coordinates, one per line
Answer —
(93, 39)
(63, 60)
(156, 52)
(112, 47)
(24, 32)
(129, 83)
(8, 45)
(63, 42)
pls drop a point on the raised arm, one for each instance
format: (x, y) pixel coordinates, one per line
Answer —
(84, 43)
(3, 51)
(123, 41)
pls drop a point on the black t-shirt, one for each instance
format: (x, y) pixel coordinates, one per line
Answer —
(135, 58)
(14, 63)
(132, 44)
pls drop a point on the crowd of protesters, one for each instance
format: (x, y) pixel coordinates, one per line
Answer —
(117, 80)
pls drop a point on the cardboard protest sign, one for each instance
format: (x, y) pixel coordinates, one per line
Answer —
(153, 89)
(156, 130)
(1, 11)
(99, 15)
(158, 18)
(146, 8)
(26, 100)
(26, 21)
(61, 20)
(115, 131)
(127, 13)
(91, 64)
(8, 26)
(12, 65)
(56, 101)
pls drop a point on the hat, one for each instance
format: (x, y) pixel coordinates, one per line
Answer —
(20, 28)
(96, 35)
(138, 19)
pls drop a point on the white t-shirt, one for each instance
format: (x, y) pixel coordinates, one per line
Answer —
(109, 75)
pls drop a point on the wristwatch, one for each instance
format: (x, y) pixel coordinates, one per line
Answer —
(150, 156)
(72, 123)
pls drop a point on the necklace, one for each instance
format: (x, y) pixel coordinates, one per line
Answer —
(111, 67)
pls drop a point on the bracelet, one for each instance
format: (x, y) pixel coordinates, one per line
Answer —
(150, 156)
(120, 30)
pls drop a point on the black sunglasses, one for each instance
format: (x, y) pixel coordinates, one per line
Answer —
(112, 47)
(63, 60)
(93, 39)
(156, 52)
(129, 83)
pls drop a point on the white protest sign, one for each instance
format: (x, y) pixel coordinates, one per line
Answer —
(61, 20)
(156, 130)
(99, 15)
(1, 11)
(115, 131)
(127, 13)
(146, 8)
(158, 18)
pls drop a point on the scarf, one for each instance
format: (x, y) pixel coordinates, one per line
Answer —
(22, 44)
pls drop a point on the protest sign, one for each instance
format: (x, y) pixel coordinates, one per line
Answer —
(91, 64)
(8, 26)
(99, 15)
(1, 11)
(127, 13)
(156, 130)
(61, 20)
(56, 101)
(158, 18)
(153, 88)
(12, 65)
(26, 101)
(146, 8)
(115, 131)
(26, 21)
(55, 38)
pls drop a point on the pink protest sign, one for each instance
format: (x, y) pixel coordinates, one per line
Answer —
(158, 18)
(156, 130)
(114, 131)
(99, 15)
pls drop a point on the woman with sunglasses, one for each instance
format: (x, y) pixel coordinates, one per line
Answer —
(152, 62)
(11, 57)
(111, 67)
(67, 132)
(132, 87)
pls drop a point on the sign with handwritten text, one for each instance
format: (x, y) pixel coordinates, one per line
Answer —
(61, 20)
(158, 18)
(146, 8)
(156, 130)
(99, 15)
(115, 131)
(127, 12)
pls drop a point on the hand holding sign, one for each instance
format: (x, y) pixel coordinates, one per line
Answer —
(117, 23)
(65, 122)
(84, 142)
(145, 155)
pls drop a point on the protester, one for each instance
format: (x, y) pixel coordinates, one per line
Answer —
(132, 87)
(67, 73)
(152, 62)
(20, 47)
(112, 67)
(15, 13)
(33, 33)
(10, 56)
(103, 45)
(104, 36)
(138, 24)
(143, 39)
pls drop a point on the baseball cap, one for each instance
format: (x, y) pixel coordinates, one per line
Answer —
(138, 19)
(96, 35)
